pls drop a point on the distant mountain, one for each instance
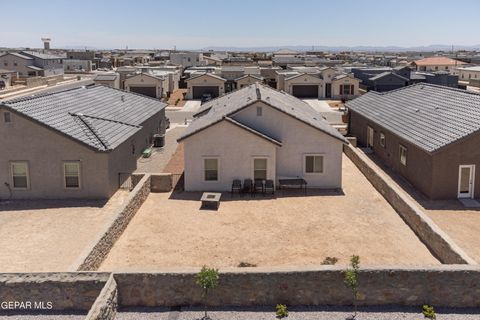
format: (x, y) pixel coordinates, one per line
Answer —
(434, 47)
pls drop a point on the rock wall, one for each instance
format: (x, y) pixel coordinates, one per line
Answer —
(436, 240)
(105, 307)
(101, 246)
(447, 285)
(61, 291)
(161, 182)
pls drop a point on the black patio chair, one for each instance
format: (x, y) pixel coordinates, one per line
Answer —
(247, 186)
(236, 186)
(269, 187)
(258, 186)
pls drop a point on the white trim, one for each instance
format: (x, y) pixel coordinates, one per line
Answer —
(27, 170)
(78, 164)
(370, 133)
(305, 164)
(400, 147)
(203, 169)
(382, 140)
(471, 181)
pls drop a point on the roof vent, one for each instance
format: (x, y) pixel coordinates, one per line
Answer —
(417, 110)
(122, 98)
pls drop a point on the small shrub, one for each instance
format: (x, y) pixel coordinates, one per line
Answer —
(79, 78)
(429, 312)
(177, 101)
(329, 261)
(282, 311)
(246, 265)
(351, 280)
(207, 279)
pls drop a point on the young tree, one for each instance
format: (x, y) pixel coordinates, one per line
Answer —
(207, 279)
(351, 280)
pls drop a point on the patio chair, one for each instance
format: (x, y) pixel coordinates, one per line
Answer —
(258, 186)
(269, 187)
(236, 186)
(247, 186)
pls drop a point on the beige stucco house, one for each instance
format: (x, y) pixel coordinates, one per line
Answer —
(345, 86)
(111, 80)
(146, 84)
(206, 83)
(304, 85)
(260, 133)
(247, 80)
(77, 143)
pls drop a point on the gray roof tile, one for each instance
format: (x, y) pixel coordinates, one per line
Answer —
(98, 116)
(426, 115)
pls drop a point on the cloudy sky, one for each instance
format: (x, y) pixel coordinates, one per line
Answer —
(189, 24)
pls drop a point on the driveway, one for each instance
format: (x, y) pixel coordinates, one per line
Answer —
(192, 105)
(322, 107)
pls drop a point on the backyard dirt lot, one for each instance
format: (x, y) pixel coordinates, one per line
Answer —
(170, 230)
(50, 235)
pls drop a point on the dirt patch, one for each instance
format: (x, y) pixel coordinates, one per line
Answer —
(176, 98)
(176, 163)
(49, 235)
(170, 230)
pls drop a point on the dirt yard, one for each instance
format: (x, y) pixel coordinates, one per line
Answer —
(50, 235)
(170, 230)
(177, 95)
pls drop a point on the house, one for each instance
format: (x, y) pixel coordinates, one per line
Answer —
(247, 80)
(469, 73)
(6, 78)
(426, 133)
(32, 64)
(76, 65)
(146, 84)
(387, 81)
(187, 59)
(344, 87)
(206, 83)
(77, 143)
(111, 80)
(304, 85)
(260, 133)
(437, 64)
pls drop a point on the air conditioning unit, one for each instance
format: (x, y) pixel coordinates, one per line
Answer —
(158, 140)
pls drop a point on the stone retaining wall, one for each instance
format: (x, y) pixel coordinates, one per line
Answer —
(65, 291)
(102, 245)
(161, 182)
(446, 285)
(105, 307)
(437, 241)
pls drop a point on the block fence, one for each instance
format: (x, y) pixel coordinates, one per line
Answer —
(436, 240)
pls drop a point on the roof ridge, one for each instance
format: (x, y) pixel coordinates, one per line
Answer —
(89, 126)
(111, 120)
(42, 94)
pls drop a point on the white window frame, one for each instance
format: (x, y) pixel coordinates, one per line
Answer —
(253, 166)
(204, 169)
(65, 175)
(400, 148)
(12, 163)
(305, 163)
(471, 194)
(382, 140)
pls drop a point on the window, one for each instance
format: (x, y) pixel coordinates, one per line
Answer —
(15, 64)
(346, 89)
(7, 117)
(259, 111)
(314, 164)
(260, 168)
(71, 171)
(20, 179)
(403, 155)
(5, 63)
(382, 139)
(211, 169)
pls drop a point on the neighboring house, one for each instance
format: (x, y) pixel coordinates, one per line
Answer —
(205, 83)
(247, 80)
(304, 86)
(469, 73)
(32, 64)
(74, 143)
(75, 65)
(187, 59)
(6, 78)
(146, 84)
(344, 86)
(387, 81)
(426, 133)
(260, 133)
(111, 80)
(438, 64)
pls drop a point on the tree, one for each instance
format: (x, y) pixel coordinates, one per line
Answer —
(351, 280)
(207, 279)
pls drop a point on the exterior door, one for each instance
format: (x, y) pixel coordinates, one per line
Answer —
(369, 137)
(466, 181)
(328, 90)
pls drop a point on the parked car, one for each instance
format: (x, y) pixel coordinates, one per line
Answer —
(206, 97)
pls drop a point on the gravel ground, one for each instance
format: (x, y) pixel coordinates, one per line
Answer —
(45, 316)
(300, 313)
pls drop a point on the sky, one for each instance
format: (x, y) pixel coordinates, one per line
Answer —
(189, 24)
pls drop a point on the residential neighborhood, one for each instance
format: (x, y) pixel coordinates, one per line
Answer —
(160, 160)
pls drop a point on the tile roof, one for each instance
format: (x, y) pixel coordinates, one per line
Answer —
(16, 54)
(426, 115)
(387, 73)
(106, 77)
(438, 61)
(220, 108)
(99, 117)
(206, 74)
(41, 55)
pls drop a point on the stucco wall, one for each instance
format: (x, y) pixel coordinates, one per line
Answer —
(205, 80)
(347, 80)
(247, 81)
(45, 150)
(304, 80)
(298, 139)
(234, 147)
(142, 80)
(7, 63)
(441, 286)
